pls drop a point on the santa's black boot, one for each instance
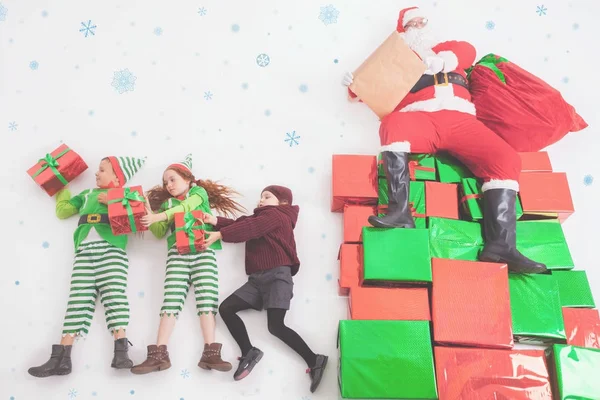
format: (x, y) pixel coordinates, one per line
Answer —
(397, 174)
(500, 228)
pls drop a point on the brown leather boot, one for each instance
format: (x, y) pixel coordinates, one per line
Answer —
(158, 360)
(211, 358)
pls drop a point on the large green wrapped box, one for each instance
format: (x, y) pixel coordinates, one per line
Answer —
(471, 202)
(386, 360)
(450, 170)
(396, 256)
(542, 241)
(536, 311)
(416, 201)
(574, 289)
(420, 166)
(576, 371)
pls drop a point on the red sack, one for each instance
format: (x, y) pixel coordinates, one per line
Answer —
(521, 108)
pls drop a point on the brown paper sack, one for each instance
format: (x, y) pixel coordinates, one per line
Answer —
(387, 76)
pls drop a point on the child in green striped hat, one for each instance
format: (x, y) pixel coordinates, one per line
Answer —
(100, 267)
(182, 192)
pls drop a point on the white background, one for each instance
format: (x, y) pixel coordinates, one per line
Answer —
(238, 137)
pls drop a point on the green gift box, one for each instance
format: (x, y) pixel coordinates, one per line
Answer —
(576, 371)
(386, 360)
(574, 289)
(471, 201)
(450, 170)
(396, 256)
(420, 166)
(536, 310)
(416, 197)
(455, 239)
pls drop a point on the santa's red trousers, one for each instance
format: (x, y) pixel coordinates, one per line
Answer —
(460, 134)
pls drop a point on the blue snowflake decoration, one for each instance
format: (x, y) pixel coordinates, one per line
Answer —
(292, 138)
(263, 60)
(311, 170)
(12, 126)
(303, 88)
(267, 113)
(72, 393)
(45, 245)
(34, 65)
(44, 13)
(132, 392)
(588, 180)
(490, 25)
(3, 12)
(91, 113)
(565, 79)
(17, 283)
(541, 10)
(202, 11)
(329, 14)
(133, 133)
(235, 28)
(123, 81)
(88, 29)
(185, 373)
(141, 294)
(158, 31)
(245, 86)
(335, 61)
(208, 95)
(94, 394)
(328, 277)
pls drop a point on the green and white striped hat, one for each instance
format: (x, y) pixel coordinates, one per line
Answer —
(185, 164)
(126, 167)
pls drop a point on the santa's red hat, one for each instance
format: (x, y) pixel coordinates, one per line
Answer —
(406, 15)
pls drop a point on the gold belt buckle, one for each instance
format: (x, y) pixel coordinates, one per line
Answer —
(445, 83)
(93, 218)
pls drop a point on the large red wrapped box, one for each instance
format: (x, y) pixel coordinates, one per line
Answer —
(546, 194)
(350, 257)
(354, 181)
(582, 326)
(486, 374)
(535, 161)
(400, 304)
(56, 169)
(441, 200)
(464, 310)
(355, 217)
(189, 231)
(125, 210)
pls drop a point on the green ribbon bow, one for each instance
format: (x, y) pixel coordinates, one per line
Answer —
(51, 162)
(490, 61)
(128, 197)
(188, 227)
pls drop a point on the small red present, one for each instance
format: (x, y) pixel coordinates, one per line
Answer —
(545, 194)
(350, 266)
(189, 231)
(125, 210)
(354, 181)
(535, 161)
(399, 304)
(582, 326)
(441, 200)
(464, 311)
(355, 217)
(57, 169)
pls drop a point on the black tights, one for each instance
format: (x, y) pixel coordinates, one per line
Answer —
(275, 317)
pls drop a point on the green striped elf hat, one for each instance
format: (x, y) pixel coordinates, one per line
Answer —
(126, 167)
(185, 164)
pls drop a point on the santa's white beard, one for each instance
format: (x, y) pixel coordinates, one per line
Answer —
(421, 40)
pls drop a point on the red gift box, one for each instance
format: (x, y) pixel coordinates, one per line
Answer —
(126, 209)
(546, 194)
(398, 304)
(478, 374)
(535, 161)
(355, 217)
(471, 304)
(350, 266)
(582, 326)
(58, 168)
(354, 181)
(189, 232)
(441, 200)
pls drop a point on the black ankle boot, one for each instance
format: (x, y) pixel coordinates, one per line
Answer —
(398, 180)
(121, 359)
(500, 228)
(58, 364)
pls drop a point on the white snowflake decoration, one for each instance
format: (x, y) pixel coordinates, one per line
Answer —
(329, 14)
(124, 81)
(263, 60)
(3, 12)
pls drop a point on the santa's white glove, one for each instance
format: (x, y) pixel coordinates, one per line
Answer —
(434, 65)
(348, 79)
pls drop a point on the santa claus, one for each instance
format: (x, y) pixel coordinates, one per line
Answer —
(438, 115)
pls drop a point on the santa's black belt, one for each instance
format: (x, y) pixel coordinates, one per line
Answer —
(440, 79)
(93, 219)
